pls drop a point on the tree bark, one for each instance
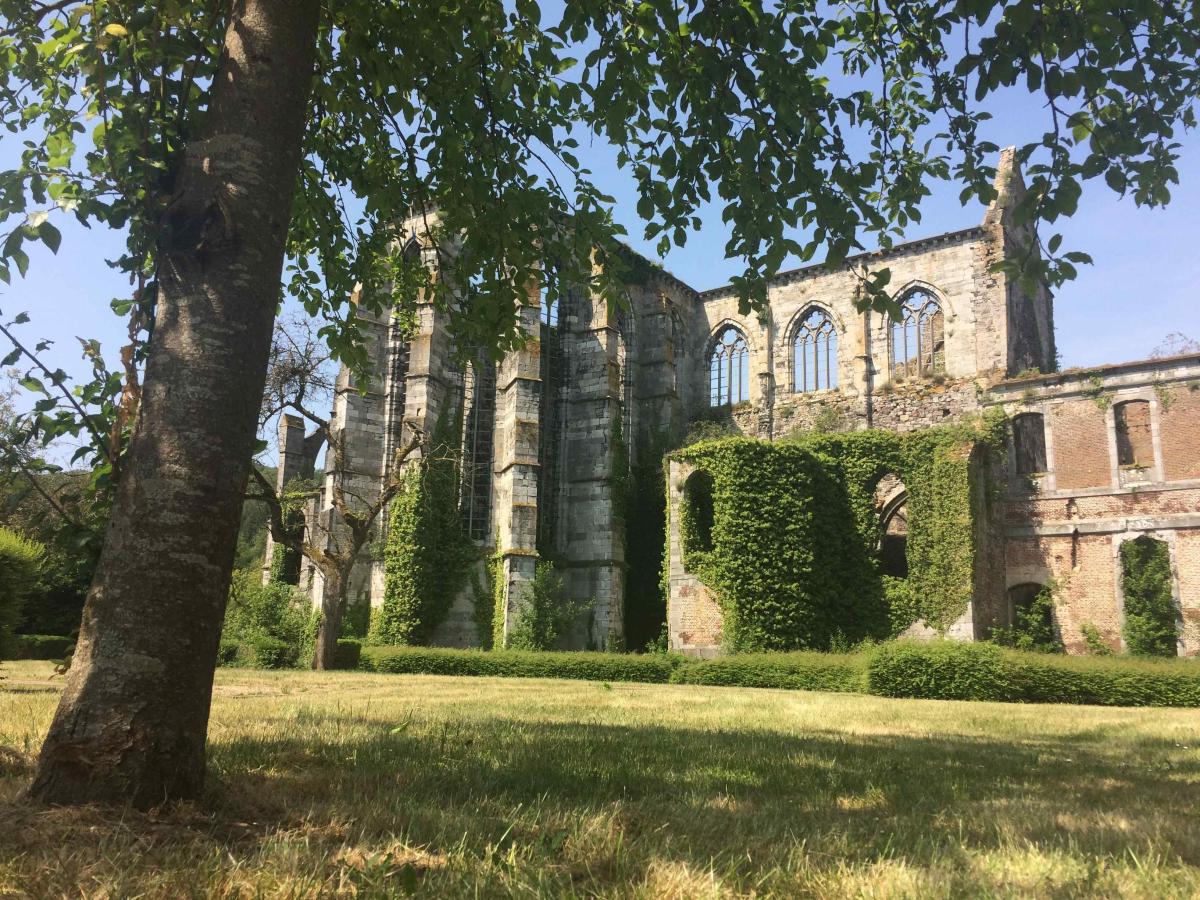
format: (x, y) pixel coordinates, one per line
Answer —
(333, 605)
(131, 725)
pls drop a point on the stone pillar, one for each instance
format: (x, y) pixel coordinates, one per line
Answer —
(518, 390)
(291, 463)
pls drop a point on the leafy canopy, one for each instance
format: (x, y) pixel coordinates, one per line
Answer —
(817, 128)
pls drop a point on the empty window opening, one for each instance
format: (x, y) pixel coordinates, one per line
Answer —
(1151, 617)
(729, 369)
(893, 541)
(698, 513)
(549, 311)
(919, 337)
(814, 352)
(1135, 446)
(1029, 443)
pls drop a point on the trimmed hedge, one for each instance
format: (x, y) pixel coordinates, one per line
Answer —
(937, 670)
(348, 654)
(947, 670)
(41, 646)
(794, 671)
(518, 664)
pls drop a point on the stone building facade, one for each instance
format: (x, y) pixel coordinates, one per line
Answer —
(548, 434)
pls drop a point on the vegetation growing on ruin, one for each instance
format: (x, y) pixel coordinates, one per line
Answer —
(789, 545)
(427, 557)
(1150, 616)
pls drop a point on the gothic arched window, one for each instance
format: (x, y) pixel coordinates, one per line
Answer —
(919, 337)
(729, 368)
(814, 353)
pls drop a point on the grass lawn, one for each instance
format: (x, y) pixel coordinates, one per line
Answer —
(382, 785)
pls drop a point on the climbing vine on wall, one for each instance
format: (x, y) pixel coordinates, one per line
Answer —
(427, 557)
(1150, 623)
(792, 556)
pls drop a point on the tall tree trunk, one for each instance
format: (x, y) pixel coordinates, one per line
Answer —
(333, 605)
(133, 717)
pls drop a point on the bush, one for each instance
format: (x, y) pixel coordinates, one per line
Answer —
(42, 646)
(227, 652)
(261, 651)
(794, 671)
(946, 670)
(20, 562)
(938, 670)
(518, 664)
(1106, 681)
(1034, 628)
(545, 614)
(348, 654)
(262, 617)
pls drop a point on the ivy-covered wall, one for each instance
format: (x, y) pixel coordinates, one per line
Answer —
(791, 548)
(427, 558)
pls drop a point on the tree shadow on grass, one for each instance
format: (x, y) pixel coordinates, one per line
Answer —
(751, 798)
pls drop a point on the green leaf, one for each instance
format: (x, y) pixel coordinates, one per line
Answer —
(50, 236)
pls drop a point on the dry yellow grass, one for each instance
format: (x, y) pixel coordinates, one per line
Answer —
(380, 785)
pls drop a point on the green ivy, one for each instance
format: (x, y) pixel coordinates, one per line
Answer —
(1033, 628)
(1150, 626)
(427, 557)
(794, 532)
(545, 614)
(496, 580)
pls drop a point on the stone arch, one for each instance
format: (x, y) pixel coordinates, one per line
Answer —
(891, 505)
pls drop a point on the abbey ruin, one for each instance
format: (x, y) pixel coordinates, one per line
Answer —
(561, 444)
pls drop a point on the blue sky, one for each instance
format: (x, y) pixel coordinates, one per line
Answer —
(1144, 283)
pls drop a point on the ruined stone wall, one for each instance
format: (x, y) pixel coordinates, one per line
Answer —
(1065, 526)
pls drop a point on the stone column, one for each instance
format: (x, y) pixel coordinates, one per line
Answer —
(518, 390)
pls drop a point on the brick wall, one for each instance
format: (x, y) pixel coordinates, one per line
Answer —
(1180, 430)
(1080, 435)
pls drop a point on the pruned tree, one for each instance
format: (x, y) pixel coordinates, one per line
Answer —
(297, 377)
(814, 128)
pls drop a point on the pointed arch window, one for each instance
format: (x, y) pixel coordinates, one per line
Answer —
(919, 337)
(729, 368)
(814, 353)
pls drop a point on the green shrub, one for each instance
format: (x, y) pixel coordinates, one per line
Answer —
(261, 651)
(348, 654)
(938, 670)
(1033, 629)
(1150, 621)
(518, 664)
(545, 615)
(261, 617)
(20, 562)
(227, 652)
(948, 670)
(794, 671)
(42, 646)
(1094, 640)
